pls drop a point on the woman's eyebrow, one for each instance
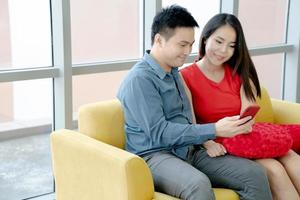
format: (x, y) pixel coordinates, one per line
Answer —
(221, 38)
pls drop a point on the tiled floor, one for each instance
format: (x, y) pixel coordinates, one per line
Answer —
(25, 168)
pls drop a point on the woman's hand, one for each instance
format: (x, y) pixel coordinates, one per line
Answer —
(214, 149)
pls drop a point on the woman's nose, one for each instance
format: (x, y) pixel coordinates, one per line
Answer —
(224, 48)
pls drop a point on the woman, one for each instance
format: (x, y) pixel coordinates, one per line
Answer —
(225, 73)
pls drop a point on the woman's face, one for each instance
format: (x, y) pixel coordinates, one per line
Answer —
(219, 47)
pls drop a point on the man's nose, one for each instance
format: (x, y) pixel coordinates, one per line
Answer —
(188, 50)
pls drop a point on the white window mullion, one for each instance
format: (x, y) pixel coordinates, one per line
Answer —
(229, 6)
(112, 66)
(150, 8)
(28, 74)
(141, 27)
(271, 49)
(61, 29)
(291, 85)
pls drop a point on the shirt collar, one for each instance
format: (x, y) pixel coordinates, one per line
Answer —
(156, 67)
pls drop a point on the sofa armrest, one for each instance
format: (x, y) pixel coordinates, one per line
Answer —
(87, 169)
(286, 112)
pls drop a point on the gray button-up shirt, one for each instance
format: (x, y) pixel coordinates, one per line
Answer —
(157, 111)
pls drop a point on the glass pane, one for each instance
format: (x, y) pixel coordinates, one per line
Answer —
(25, 167)
(25, 104)
(202, 11)
(25, 110)
(266, 64)
(95, 87)
(263, 21)
(104, 30)
(25, 34)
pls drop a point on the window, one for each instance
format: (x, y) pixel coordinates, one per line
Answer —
(106, 39)
(263, 22)
(270, 63)
(101, 87)
(25, 167)
(25, 34)
(25, 110)
(103, 31)
(25, 104)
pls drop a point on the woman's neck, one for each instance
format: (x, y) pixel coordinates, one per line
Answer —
(213, 72)
(207, 66)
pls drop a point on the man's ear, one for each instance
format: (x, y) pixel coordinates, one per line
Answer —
(158, 39)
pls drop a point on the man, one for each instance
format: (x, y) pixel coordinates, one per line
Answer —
(159, 125)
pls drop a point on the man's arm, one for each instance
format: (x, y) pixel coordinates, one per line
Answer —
(144, 104)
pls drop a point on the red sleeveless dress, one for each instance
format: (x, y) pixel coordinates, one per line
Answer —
(213, 101)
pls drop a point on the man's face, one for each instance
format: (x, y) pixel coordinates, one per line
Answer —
(175, 50)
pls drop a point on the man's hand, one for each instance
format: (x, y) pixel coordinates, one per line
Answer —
(214, 149)
(231, 126)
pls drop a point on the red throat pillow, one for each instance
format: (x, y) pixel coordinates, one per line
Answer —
(294, 130)
(266, 140)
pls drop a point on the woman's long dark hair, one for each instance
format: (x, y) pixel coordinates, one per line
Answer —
(240, 61)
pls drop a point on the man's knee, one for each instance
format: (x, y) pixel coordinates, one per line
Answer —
(257, 185)
(198, 188)
(258, 173)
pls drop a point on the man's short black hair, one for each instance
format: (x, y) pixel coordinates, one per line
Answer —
(170, 18)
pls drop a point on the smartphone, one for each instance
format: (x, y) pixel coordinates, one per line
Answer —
(250, 111)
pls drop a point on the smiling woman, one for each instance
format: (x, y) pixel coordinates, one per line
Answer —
(226, 82)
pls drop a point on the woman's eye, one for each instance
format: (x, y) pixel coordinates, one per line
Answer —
(218, 41)
(232, 46)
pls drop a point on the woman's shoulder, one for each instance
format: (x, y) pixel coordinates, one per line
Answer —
(186, 70)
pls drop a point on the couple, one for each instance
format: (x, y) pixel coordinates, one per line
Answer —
(184, 160)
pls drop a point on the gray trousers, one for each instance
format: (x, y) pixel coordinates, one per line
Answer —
(194, 179)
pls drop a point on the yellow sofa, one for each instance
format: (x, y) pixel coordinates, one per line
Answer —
(92, 165)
